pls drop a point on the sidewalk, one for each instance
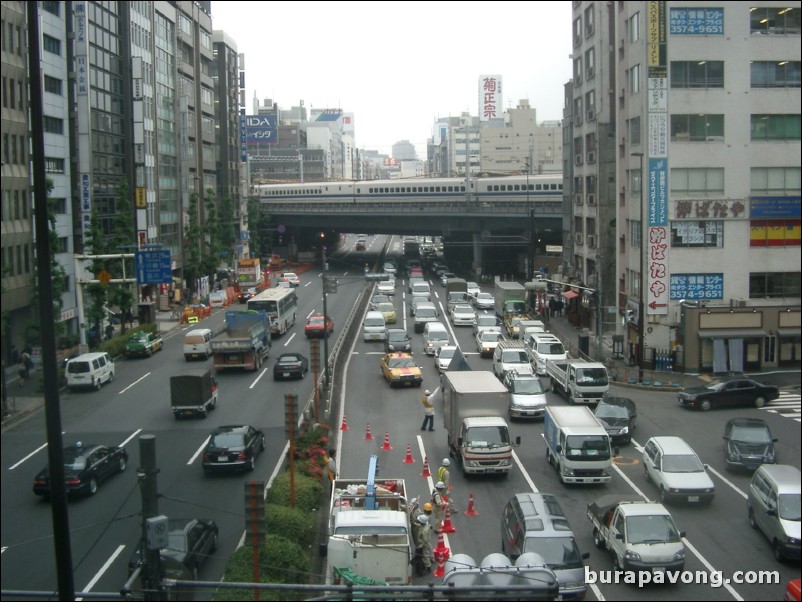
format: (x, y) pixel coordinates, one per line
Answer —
(23, 400)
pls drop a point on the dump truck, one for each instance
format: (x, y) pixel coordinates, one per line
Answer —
(510, 300)
(478, 436)
(640, 535)
(369, 532)
(245, 342)
(577, 445)
(579, 381)
(193, 393)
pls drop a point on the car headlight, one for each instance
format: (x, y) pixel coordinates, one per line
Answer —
(679, 555)
(568, 472)
(624, 430)
(630, 555)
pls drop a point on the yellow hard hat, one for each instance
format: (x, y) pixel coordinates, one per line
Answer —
(427, 507)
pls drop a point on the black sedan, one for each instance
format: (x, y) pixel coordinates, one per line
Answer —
(233, 447)
(85, 467)
(191, 542)
(290, 365)
(397, 340)
(726, 393)
(618, 416)
(748, 443)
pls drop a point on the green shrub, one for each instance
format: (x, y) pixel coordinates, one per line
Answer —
(296, 524)
(307, 491)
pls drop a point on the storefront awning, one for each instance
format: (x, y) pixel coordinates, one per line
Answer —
(570, 294)
(789, 332)
(742, 333)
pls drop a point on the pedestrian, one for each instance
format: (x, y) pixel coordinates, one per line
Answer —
(421, 535)
(428, 412)
(439, 503)
(331, 464)
(443, 474)
(552, 307)
(26, 361)
(22, 371)
(560, 307)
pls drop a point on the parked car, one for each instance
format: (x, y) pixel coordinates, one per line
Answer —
(290, 365)
(233, 447)
(483, 301)
(729, 393)
(400, 369)
(677, 471)
(318, 326)
(748, 443)
(443, 356)
(618, 416)
(397, 340)
(86, 466)
(191, 542)
(143, 344)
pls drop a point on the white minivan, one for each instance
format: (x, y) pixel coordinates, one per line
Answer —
(89, 370)
(198, 343)
(434, 335)
(374, 328)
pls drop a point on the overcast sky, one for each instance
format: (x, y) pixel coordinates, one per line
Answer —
(398, 66)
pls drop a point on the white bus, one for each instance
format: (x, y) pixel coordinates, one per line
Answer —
(281, 305)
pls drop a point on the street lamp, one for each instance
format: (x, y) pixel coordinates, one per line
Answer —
(641, 304)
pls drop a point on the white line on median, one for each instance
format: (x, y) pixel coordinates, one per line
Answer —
(134, 434)
(102, 570)
(135, 382)
(200, 450)
(258, 378)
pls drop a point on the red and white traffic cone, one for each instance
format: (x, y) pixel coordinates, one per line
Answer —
(386, 446)
(344, 426)
(409, 459)
(471, 511)
(441, 554)
(447, 526)
(426, 472)
(368, 435)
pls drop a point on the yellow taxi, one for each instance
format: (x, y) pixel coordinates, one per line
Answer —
(400, 370)
(388, 311)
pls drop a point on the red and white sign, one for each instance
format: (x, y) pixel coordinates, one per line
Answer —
(490, 99)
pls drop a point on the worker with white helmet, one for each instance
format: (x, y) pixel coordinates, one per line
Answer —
(421, 535)
(428, 412)
(439, 503)
(444, 475)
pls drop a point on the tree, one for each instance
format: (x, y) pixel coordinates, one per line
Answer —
(229, 226)
(122, 240)
(192, 243)
(261, 238)
(210, 260)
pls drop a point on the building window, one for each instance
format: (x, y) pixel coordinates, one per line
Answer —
(634, 130)
(52, 7)
(771, 285)
(635, 232)
(185, 24)
(53, 85)
(697, 74)
(775, 127)
(775, 20)
(577, 31)
(775, 74)
(51, 45)
(776, 180)
(633, 28)
(694, 235)
(205, 40)
(63, 245)
(206, 96)
(697, 128)
(774, 233)
(53, 125)
(590, 63)
(59, 205)
(633, 79)
(705, 180)
(578, 70)
(53, 165)
(589, 21)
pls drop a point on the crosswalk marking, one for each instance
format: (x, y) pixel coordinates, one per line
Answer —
(788, 404)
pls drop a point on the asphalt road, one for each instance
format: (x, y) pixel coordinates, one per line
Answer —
(105, 528)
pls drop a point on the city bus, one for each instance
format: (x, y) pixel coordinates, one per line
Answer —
(281, 305)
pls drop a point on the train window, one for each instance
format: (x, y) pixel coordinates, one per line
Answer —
(554, 186)
(517, 187)
(538, 187)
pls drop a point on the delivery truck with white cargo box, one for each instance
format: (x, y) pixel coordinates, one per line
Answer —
(577, 445)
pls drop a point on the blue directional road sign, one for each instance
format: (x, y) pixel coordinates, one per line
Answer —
(153, 267)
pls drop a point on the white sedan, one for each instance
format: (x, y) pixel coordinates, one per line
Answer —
(386, 287)
(484, 301)
(473, 289)
(462, 315)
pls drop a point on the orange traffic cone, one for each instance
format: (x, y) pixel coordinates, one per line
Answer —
(344, 426)
(426, 472)
(441, 554)
(409, 459)
(386, 446)
(368, 435)
(447, 526)
(471, 511)
(440, 571)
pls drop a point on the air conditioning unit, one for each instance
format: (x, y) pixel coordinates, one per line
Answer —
(591, 241)
(578, 238)
(591, 157)
(591, 115)
(578, 119)
(578, 199)
(737, 302)
(591, 199)
(621, 43)
(578, 159)
(578, 80)
(589, 72)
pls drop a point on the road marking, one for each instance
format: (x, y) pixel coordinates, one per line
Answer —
(199, 452)
(29, 456)
(728, 482)
(430, 482)
(258, 378)
(135, 382)
(134, 434)
(292, 336)
(523, 471)
(102, 570)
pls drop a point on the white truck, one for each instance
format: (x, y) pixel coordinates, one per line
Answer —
(369, 532)
(578, 380)
(641, 536)
(577, 445)
(478, 435)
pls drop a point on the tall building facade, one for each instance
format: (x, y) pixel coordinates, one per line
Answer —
(706, 219)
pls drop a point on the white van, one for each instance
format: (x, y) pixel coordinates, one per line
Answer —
(434, 335)
(89, 370)
(542, 346)
(421, 288)
(374, 328)
(218, 299)
(198, 343)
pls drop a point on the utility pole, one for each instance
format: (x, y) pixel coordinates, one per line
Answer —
(326, 374)
(641, 295)
(151, 559)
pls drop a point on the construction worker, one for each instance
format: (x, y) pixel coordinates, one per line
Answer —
(428, 412)
(421, 534)
(331, 464)
(439, 503)
(443, 474)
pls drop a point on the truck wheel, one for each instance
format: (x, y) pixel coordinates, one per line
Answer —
(204, 413)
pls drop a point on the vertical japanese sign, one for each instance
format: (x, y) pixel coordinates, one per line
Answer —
(490, 98)
(657, 233)
(82, 85)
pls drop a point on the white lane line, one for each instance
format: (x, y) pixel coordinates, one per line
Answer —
(523, 472)
(29, 456)
(728, 482)
(102, 570)
(200, 450)
(134, 434)
(135, 382)
(430, 482)
(258, 378)
(292, 336)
